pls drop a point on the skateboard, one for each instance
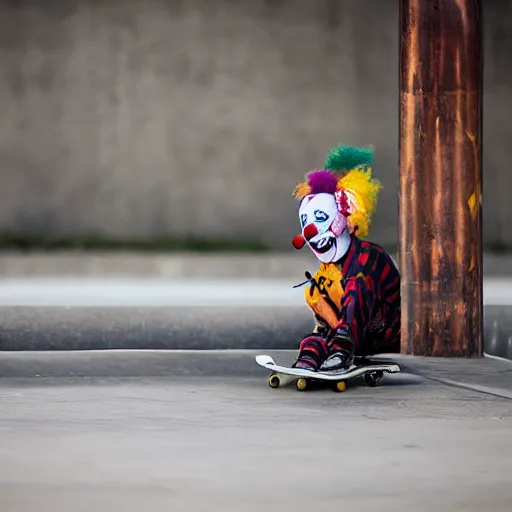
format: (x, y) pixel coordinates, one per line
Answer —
(371, 371)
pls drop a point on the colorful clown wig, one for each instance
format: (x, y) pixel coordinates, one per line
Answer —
(347, 175)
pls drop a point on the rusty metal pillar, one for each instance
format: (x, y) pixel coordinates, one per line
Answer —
(441, 177)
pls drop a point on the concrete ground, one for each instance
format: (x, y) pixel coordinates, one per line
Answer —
(192, 292)
(84, 314)
(288, 264)
(233, 444)
(178, 430)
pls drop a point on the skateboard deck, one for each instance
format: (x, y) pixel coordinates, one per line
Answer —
(372, 372)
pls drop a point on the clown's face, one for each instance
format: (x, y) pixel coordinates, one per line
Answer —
(324, 229)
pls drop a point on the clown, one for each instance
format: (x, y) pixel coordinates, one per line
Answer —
(355, 293)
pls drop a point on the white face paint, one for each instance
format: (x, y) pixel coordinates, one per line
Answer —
(323, 227)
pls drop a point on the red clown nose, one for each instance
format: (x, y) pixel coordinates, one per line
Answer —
(298, 242)
(310, 231)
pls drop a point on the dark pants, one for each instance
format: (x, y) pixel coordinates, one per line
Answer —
(372, 321)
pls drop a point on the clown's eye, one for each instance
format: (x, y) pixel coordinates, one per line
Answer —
(321, 216)
(303, 219)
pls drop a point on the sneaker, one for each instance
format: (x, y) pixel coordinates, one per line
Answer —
(341, 352)
(336, 361)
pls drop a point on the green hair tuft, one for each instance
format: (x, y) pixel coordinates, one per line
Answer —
(345, 158)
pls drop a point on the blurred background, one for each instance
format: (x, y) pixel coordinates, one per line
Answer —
(148, 154)
(185, 124)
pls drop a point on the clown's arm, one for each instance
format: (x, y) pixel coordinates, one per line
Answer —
(372, 287)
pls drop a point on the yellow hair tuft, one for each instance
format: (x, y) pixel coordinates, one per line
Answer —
(301, 190)
(362, 191)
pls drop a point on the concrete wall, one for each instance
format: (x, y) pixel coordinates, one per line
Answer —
(152, 118)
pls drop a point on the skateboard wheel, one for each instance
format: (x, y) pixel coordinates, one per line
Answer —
(302, 384)
(372, 379)
(274, 381)
(341, 386)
